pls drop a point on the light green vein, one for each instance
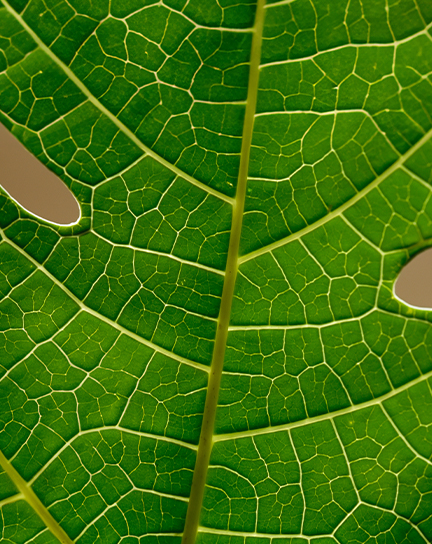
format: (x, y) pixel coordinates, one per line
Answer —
(30, 496)
(338, 211)
(160, 254)
(207, 429)
(356, 46)
(251, 534)
(12, 499)
(110, 115)
(113, 324)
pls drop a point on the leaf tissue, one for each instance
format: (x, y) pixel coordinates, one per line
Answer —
(214, 354)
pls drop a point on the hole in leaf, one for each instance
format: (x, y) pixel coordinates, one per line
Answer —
(414, 285)
(32, 185)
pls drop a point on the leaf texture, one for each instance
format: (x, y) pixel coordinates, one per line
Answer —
(252, 178)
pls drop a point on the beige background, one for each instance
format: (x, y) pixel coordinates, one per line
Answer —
(31, 184)
(41, 192)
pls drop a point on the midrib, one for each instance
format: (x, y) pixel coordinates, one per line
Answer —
(207, 429)
(206, 438)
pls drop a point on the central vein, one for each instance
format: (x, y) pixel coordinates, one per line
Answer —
(206, 438)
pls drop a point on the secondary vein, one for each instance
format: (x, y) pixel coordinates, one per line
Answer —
(207, 429)
(376, 401)
(110, 115)
(101, 317)
(338, 211)
(30, 496)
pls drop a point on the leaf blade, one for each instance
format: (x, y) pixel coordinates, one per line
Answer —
(317, 346)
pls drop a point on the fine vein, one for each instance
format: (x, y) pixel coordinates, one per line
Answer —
(206, 438)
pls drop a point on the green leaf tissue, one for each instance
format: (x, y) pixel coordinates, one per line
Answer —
(214, 353)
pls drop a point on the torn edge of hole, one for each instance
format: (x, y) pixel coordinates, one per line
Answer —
(33, 186)
(424, 255)
(40, 217)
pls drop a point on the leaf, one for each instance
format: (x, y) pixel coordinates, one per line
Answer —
(252, 179)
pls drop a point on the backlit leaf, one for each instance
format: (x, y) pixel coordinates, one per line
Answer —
(252, 178)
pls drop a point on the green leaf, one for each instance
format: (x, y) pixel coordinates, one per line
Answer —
(214, 351)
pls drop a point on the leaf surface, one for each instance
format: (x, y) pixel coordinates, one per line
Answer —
(252, 178)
